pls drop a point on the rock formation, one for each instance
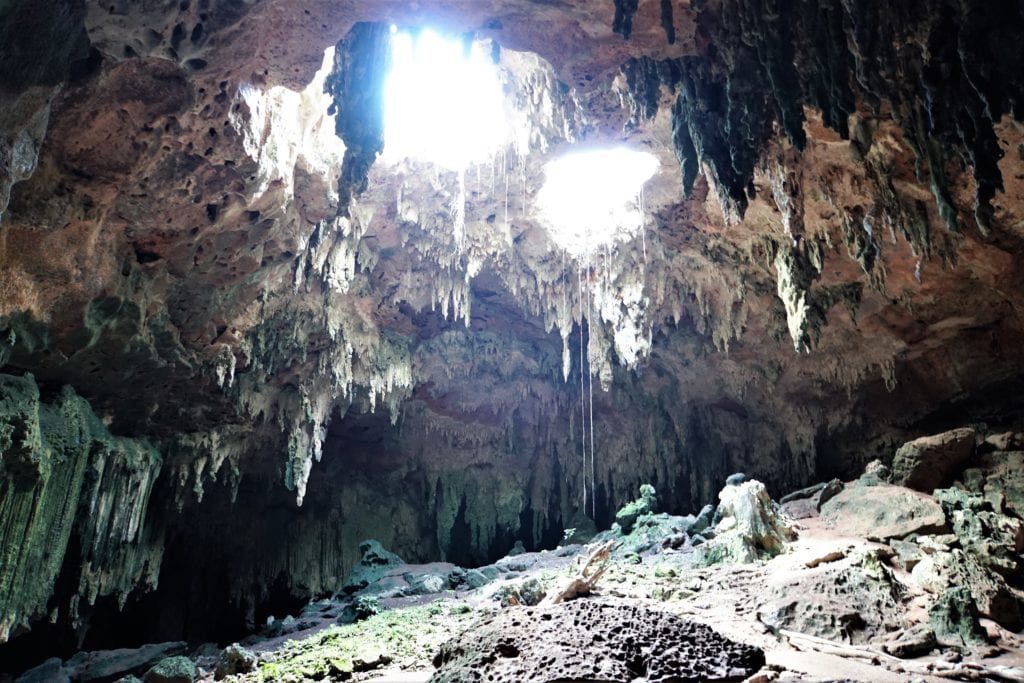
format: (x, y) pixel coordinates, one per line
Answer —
(235, 342)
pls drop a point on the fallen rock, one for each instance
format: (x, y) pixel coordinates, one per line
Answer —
(374, 564)
(235, 659)
(1003, 481)
(110, 664)
(853, 600)
(646, 504)
(735, 479)
(938, 572)
(954, 619)
(50, 671)
(806, 492)
(425, 584)
(912, 642)
(585, 640)
(172, 670)
(831, 489)
(875, 473)
(882, 512)
(908, 554)
(927, 463)
(703, 520)
(1005, 441)
(995, 539)
(476, 578)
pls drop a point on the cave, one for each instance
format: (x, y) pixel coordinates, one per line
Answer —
(511, 340)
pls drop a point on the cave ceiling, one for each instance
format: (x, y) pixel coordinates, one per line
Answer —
(830, 249)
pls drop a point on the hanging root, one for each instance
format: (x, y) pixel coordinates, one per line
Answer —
(583, 583)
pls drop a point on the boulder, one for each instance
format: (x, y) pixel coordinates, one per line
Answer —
(646, 504)
(993, 598)
(995, 539)
(374, 564)
(954, 618)
(111, 664)
(592, 640)
(425, 584)
(1002, 481)
(735, 479)
(172, 670)
(50, 671)
(235, 659)
(908, 554)
(1005, 441)
(750, 528)
(882, 512)
(830, 490)
(912, 642)
(704, 519)
(927, 463)
(854, 599)
(476, 578)
(875, 473)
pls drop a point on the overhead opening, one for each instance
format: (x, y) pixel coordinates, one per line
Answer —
(443, 101)
(594, 197)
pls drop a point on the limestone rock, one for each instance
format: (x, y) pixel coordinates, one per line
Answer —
(425, 584)
(954, 618)
(908, 554)
(1002, 481)
(851, 600)
(235, 659)
(927, 463)
(644, 505)
(882, 512)
(172, 670)
(1005, 441)
(109, 664)
(875, 473)
(476, 578)
(375, 563)
(750, 528)
(939, 571)
(912, 642)
(592, 640)
(995, 539)
(50, 671)
(704, 519)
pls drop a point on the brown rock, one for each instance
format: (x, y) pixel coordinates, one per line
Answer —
(927, 463)
(882, 512)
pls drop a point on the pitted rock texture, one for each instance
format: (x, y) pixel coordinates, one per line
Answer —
(589, 640)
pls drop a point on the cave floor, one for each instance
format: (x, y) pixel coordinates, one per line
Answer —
(399, 643)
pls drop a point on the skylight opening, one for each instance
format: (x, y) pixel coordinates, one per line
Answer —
(443, 101)
(595, 197)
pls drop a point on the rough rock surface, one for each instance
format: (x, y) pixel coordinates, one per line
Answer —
(854, 600)
(592, 640)
(882, 512)
(750, 526)
(929, 462)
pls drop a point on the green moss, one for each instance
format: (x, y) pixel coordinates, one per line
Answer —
(408, 637)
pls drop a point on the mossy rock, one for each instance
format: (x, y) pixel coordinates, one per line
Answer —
(172, 670)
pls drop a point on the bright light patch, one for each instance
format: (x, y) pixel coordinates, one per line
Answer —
(443, 102)
(592, 198)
